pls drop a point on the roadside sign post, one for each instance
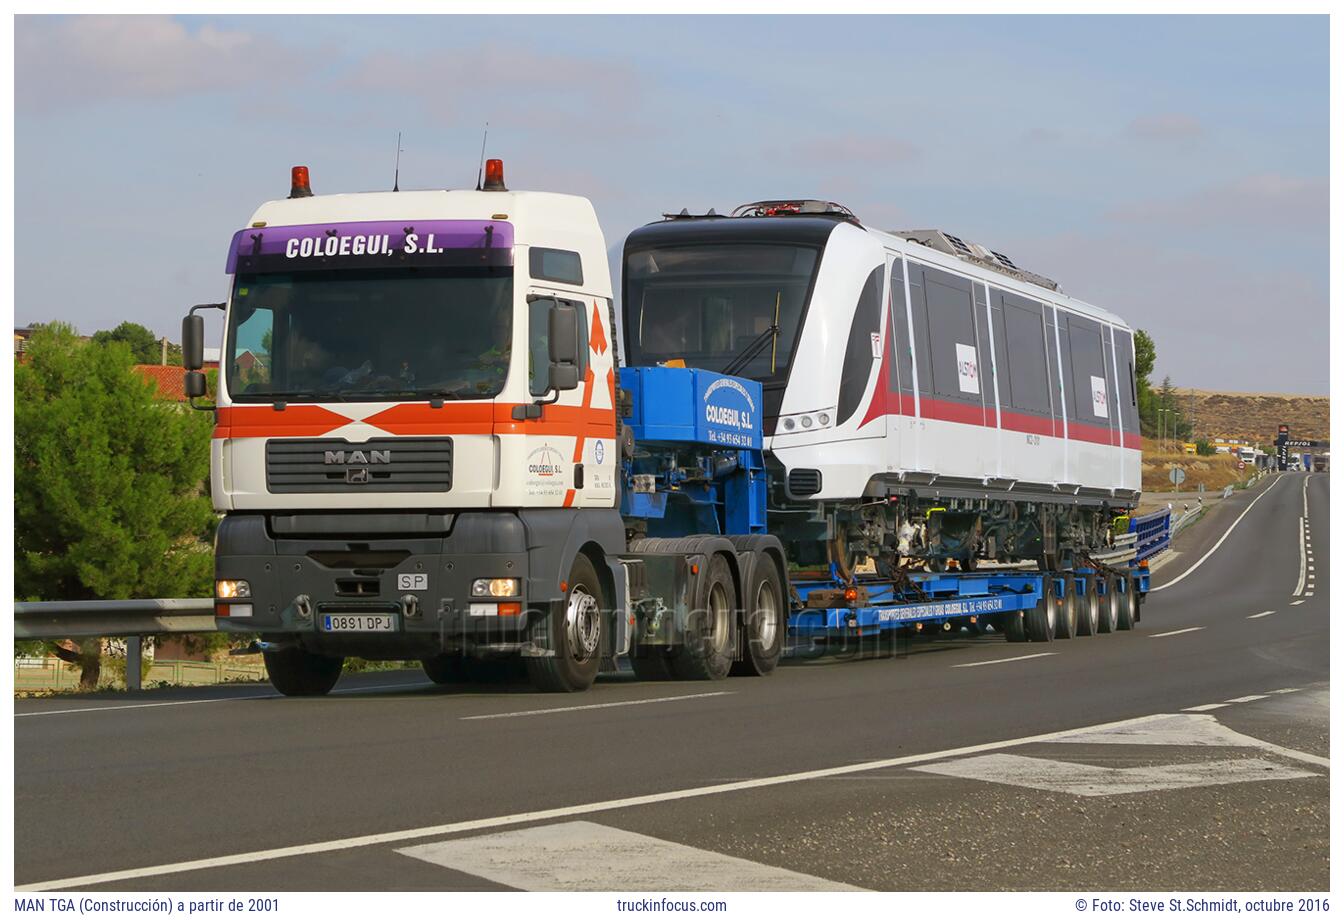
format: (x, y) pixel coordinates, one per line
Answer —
(1177, 477)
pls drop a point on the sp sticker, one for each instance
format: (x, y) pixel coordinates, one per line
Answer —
(413, 581)
(599, 451)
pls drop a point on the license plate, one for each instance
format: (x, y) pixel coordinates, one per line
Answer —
(359, 622)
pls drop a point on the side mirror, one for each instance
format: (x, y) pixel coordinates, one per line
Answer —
(193, 342)
(193, 383)
(563, 344)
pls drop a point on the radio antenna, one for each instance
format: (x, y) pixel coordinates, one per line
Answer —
(480, 171)
(396, 175)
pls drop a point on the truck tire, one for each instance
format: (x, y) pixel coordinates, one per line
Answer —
(1066, 607)
(650, 662)
(1089, 615)
(764, 620)
(708, 650)
(1110, 606)
(296, 672)
(576, 634)
(1129, 604)
(1014, 626)
(1041, 620)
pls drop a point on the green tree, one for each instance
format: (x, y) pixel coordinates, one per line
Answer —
(144, 344)
(109, 482)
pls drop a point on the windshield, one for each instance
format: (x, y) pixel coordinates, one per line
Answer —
(712, 305)
(369, 334)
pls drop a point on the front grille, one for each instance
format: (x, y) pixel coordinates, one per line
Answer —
(380, 465)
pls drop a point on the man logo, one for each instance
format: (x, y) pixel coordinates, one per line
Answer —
(357, 476)
(357, 456)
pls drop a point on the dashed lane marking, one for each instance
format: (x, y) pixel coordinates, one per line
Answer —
(1256, 616)
(1250, 699)
(1176, 632)
(1295, 603)
(1302, 554)
(557, 709)
(977, 664)
(584, 856)
(220, 699)
(1207, 707)
(1288, 690)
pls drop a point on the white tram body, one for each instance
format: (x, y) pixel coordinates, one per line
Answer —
(893, 363)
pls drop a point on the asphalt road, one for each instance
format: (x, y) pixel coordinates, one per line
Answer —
(961, 765)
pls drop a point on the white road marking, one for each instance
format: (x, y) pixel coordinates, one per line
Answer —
(1309, 594)
(1305, 511)
(1207, 707)
(1213, 549)
(220, 699)
(1302, 564)
(583, 856)
(1295, 603)
(976, 664)
(1088, 780)
(1311, 568)
(567, 811)
(1288, 690)
(546, 712)
(1256, 616)
(1175, 632)
(1250, 699)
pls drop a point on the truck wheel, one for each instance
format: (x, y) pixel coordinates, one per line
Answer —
(575, 635)
(1041, 620)
(295, 672)
(765, 620)
(1066, 609)
(1110, 606)
(708, 650)
(1089, 617)
(1129, 604)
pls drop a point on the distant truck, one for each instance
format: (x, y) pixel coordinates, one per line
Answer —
(426, 446)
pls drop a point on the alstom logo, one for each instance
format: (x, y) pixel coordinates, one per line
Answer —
(357, 456)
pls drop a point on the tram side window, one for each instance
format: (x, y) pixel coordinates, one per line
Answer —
(1085, 348)
(919, 313)
(1028, 368)
(858, 364)
(956, 370)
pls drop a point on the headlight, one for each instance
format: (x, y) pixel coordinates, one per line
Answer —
(229, 588)
(806, 421)
(494, 587)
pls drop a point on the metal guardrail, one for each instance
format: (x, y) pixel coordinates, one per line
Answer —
(132, 619)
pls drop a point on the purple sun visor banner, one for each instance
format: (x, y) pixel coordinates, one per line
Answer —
(372, 244)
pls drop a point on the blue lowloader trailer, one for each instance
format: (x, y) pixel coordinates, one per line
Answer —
(695, 483)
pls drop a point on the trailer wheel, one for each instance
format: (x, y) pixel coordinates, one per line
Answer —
(765, 620)
(296, 672)
(708, 650)
(1066, 622)
(1129, 604)
(575, 634)
(1110, 605)
(1041, 620)
(1089, 618)
(1014, 626)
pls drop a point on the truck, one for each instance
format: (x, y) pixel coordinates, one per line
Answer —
(434, 441)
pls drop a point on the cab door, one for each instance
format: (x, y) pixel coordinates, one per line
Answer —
(570, 451)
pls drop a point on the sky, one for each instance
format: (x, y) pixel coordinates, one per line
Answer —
(1172, 169)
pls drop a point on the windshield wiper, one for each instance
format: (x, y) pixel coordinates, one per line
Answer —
(421, 394)
(754, 348)
(291, 395)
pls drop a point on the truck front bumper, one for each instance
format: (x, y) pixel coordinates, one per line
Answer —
(302, 569)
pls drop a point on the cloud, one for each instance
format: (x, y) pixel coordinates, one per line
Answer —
(1167, 127)
(1251, 204)
(63, 61)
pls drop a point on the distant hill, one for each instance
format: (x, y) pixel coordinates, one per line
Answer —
(1255, 416)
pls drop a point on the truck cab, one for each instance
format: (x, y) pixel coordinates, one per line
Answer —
(414, 448)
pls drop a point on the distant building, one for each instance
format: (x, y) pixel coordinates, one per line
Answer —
(168, 379)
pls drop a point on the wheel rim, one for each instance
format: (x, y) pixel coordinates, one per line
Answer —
(716, 617)
(765, 615)
(1051, 612)
(1093, 610)
(583, 623)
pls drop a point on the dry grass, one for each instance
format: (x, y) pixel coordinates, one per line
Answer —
(1212, 472)
(1255, 416)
